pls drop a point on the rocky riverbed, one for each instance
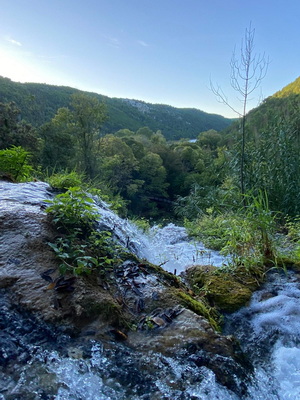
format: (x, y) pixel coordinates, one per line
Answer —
(140, 333)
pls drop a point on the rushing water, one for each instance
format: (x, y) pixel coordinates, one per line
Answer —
(50, 364)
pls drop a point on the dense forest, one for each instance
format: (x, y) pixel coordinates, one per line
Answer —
(141, 165)
(39, 103)
(147, 177)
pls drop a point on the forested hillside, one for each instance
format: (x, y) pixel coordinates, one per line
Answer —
(147, 173)
(274, 108)
(40, 102)
(292, 88)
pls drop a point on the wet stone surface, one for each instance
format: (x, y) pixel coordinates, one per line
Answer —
(60, 337)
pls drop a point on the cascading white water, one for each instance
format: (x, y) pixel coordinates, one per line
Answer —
(171, 248)
(268, 330)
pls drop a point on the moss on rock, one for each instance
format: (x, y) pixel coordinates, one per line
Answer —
(107, 308)
(224, 289)
(226, 293)
(199, 308)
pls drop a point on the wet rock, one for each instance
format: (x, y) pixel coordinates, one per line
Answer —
(7, 281)
(190, 336)
(138, 295)
(228, 372)
(227, 291)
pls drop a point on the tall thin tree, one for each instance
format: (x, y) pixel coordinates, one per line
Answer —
(247, 71)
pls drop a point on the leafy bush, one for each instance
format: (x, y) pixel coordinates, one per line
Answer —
(211, 230)
(73, 209)
(14, 162)
(142, 224)
(66, 180)
(81, 249)
(293, 227)
(80, 256)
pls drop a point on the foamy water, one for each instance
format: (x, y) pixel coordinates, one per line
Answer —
(268, 330)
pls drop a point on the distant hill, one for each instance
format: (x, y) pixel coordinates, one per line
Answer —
(40, 102)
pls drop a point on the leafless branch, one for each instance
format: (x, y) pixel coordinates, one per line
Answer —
(247, 71)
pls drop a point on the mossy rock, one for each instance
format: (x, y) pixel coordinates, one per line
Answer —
(200, 308)
(198, 274)
(226, 290)
(226, 294)
(108, 309)
(99, 304)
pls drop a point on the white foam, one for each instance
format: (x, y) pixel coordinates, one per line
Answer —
(287, 372)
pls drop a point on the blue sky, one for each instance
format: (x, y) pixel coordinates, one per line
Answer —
(160, 51)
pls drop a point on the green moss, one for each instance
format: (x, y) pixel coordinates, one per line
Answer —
(197, 275)
(226, 294)
(225, 289)
(199, 308)
(289, 262)
(106, 308)
(167, 277)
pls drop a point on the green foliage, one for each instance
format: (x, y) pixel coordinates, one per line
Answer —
(15, 162)
(291, 89)
(138, 168)
(40, 102)
(272, 161)
(59, 149)
(73, 209)
(247, 236)
(293, 227)
(81, 256)
(81, 249)
(142, 224)
(211, 230)
(272, 150)
(14, 132)
(117, 164)
(80, 125)
(66, 180)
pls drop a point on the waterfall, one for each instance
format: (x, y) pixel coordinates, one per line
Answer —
(51, 364)
(169, 246)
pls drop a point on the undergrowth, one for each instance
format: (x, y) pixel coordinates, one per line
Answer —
(247, 236)
(15, 163)
(81, 248)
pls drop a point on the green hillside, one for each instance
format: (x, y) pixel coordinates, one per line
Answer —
(40, 102)
(290, 89)
(272, 111)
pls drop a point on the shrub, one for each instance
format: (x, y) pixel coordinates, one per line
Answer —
(247, 236)
(14, 162)
(73, 210)
(66, 180)
(142, 223)
(81, 248)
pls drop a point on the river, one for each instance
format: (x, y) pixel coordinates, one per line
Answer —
(52, 364)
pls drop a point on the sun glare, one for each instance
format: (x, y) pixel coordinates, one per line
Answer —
(18, 66)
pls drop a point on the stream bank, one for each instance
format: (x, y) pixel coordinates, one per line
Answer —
(143, 336)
